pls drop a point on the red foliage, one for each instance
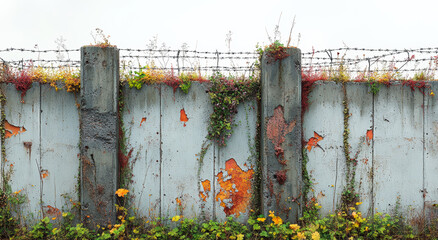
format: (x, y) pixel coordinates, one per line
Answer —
(309, 77)
(420, 85)
(172, 81)
(22, 81)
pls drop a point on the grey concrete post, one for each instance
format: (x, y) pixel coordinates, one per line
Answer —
(99, 131)
(281, 136)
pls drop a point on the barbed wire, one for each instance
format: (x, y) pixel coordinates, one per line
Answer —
(355, 60)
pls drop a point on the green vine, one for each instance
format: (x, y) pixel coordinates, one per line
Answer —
(349, 196)
(226, 94)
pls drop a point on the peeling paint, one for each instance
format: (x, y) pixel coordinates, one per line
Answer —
(178, 201)
(44, 173)
(313, 141)
(12, 130)
(207, 188)
(235, 190)
(183, 117)
(143, 120)
(369, 136)
(278, 128)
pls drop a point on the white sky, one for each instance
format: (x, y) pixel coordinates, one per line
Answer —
(204, 23)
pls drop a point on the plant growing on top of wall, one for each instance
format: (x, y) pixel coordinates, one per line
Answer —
(274, 52)
(226, 94)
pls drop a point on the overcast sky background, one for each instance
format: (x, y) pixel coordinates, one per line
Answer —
(204, 24)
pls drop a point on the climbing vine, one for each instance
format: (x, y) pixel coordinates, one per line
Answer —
(225, 95)
(349, 195)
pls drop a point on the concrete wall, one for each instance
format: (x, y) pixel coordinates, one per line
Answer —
(42, 147)
(394, 136)
(397, 163)
(167, 178)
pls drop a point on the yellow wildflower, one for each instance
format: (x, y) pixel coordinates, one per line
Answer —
(432, 94)
(240, 236)
(358, 203)
(122, 192)
(261, 219)
(17, 192)
(354, 214)
(300, 236)
(53, 218)
(176, 218)
(316, 236)
(277, 220)
(294, 227)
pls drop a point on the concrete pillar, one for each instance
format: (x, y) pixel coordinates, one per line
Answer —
(99, 132)
(281, 136)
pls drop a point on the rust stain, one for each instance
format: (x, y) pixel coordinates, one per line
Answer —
(369, 136)
(235, 192)
(53, 211)
(206, 184)
(183, 117)
(313, 141)
(124, 159)
(12, 130)
(142, 121)
(44, 173)
(280, 176)
(278, 128)
(178, 201)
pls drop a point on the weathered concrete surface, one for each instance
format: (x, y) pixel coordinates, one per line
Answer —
(143, 135)
(233, 191)
(398, 150)
(59, 151)
(99, 133)
(184, 125)
(324, 118)
(430, 191)
(361, 141)
(281, 136)
(166, 134)
(23, 152)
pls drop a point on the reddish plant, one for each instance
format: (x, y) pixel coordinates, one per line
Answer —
(420, 85)
(308, 78)
(22, 81)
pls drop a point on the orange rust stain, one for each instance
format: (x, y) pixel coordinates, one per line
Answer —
(178, 201)
(235, 190)
(369, 136)
(207, 188)
(44, 173)
(12, 130)
(313, 141)
(183, 117)
(278, 127)
(53, 211)
(142, 121)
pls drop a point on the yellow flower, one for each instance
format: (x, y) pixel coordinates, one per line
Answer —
(271, 213)
(432, 94)
(277, 220)
(358, 203)
(176, 218)
(354, 214)
(261, 219)
(17, 192)
(239, 236)
(315, 236)
(54, 218)
(301, 235)
(65, 214)
(121, 192)
(294, 227)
